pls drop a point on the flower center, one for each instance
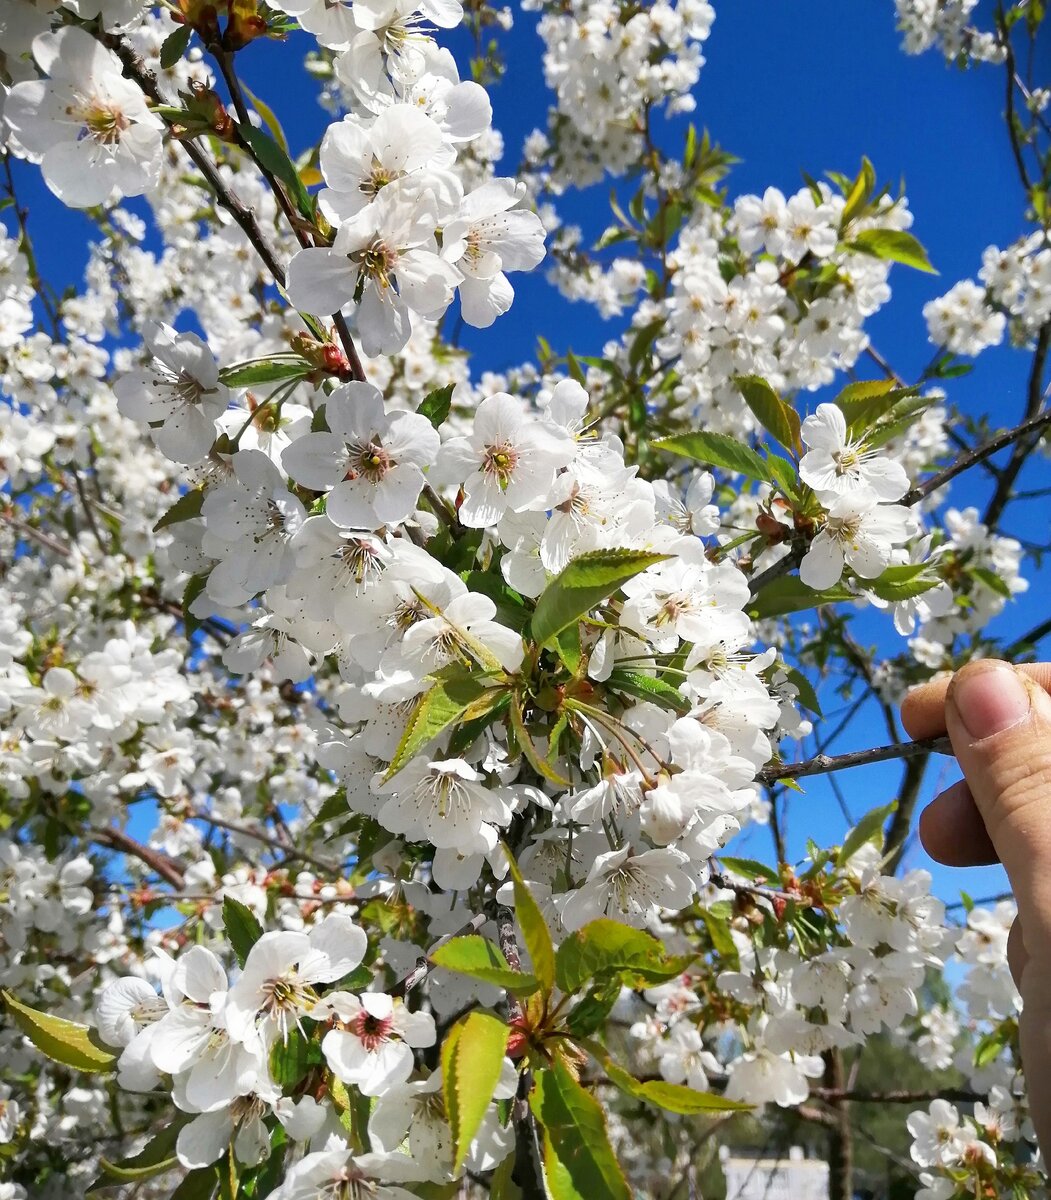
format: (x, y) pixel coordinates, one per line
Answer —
(500, 461)
(101, 122)
(371, 1030)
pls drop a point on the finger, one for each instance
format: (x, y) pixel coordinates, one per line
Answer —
(1017, 955)
(923, 709)
(999, 722)
(953, 832)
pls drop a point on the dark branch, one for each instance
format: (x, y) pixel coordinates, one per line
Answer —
(824, 764)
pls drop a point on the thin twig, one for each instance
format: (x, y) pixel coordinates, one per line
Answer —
(823, 764)
(424, 965)
(165, 866)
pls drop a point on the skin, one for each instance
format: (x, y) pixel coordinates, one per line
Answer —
(998, 718)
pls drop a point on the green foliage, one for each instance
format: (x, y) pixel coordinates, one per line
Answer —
(903, 582)
(648, 687)
(435, 405)
(604, 949)
(472, 1059)
(717, 450)
(579, 1163)
(672, 1097)
(895, 245)
(790, 594)
(242, 928)
(583, 584)
(185, 508)
(264, 371)
(478, 958)
(292, 1057)
(156, 1157)
(64, 1042)
(175, 45)
(868, 829)
(535, 933)
(779, 419)
(459, 695)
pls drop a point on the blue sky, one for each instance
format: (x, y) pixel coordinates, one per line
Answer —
(786, 87)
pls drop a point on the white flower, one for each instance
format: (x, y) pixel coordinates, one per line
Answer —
(330, 21)
(178, 395)
(334, 1172)
(249, 522)
(859, 532)
(629, 888)
(836, 464)
(484, 240)
(402, 145)
(447, 803)
(276, 987)
(937, 1136)
(89, 125)
(760, 1077)
(372, 462)
(372, 1046)
(386, 259)
(508, 462)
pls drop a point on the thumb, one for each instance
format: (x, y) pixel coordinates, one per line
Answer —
(999, 722)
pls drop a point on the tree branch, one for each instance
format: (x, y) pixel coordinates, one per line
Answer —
(823, 764)
(164, 866)
(1033, 425)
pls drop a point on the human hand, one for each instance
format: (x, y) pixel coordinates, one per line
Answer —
(998, 718)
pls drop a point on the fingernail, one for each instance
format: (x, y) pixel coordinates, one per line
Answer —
(990, 700)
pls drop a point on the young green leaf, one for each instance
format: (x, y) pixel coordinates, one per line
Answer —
(894, 245)
(157, 1156)
(779, 419)
(579, 1163)
(903, 582)
(460, 696)
(535, 933)
(648, 687)
(717, 450)
(472, 1059)
(790, 594)
(64, 1042)
(672, 1097)
(264, 372)
(185, 508)
(583, 584)
(478, 958)
(242, 927)
(174, 46)
(604, 948)
(435, 405)
(866, 830)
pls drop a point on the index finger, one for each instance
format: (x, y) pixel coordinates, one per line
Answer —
(923, 709)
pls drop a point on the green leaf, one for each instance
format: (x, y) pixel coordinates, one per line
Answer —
(719, 931)
(783, 474)
(272, 158)
(269, 119)
(644, 339)
(198, 1185)
(292, 1057)
(263, 372)
(579, 1163)
(435, 405)
(154, 1158)
(806, 695)
(779, 419)
(185, 508)
(790, 594)
(64, 1042)
(748, 868)
(604, 948)
(472, 1059)
(535, 933)
(860, 192)
(195, 585)
(992, 581)
(673, 1097)
(902, 582)
(894, 245)
(242, 927)
(648, 687)
(460, 696)
(866, 830)
(589, 1015)
(479, 958)
(174, 46)
(583, 584)
(567, 644)
(717, 450)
